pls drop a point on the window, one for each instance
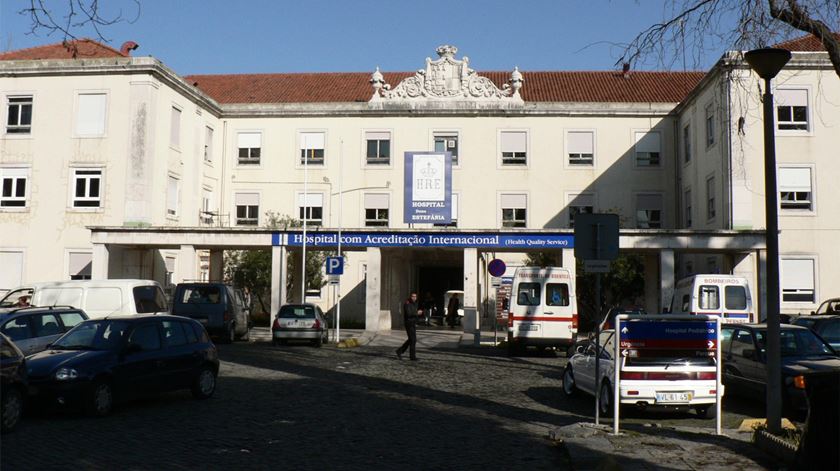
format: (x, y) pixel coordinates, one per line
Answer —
(173, 334)
(191, 338)
(70, 319)
(312, 148)
(687, 143)
(79, 265)
(13, 191)
(710, 125)
(647, 149)
(648, 211)
(247, 209)
(447, 142)
(583, 203)
(249, 144)
(311, 205)
(146, 337)
(798, 280)
(12, 272)
(556, 294)
(86, 188)
(378, 147)
(514, 145)
(19, 115)
(688, 208)
(742, 342)
(376, 209)
(207, 213)
(795, 188)
(45, 325)
(90, 118)
(149, 299)
(175, 128)
(528, 294)
(454, 217)
(172, 196)
(791, 110)
(18, 328)
(710, 198)
(208, 144)
(514, 210)
(735, 297)
(709, 297)
(581, 147)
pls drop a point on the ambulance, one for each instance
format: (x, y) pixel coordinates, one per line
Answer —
(727, 296)
(543, 309)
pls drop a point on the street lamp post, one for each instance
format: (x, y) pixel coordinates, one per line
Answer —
(767, 63)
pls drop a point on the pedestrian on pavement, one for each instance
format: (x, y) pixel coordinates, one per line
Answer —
(410, 314)
(452, 309)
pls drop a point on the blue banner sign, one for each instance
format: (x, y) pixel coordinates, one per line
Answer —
(428, 188)
(668, 335)
(426, 239)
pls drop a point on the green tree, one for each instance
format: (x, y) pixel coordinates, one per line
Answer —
(624, 284)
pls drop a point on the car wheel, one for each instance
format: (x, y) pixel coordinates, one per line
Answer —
(569, 387)
(12, 408)
(101, 399)
(606, 398)
(706, 412)
(205, 384)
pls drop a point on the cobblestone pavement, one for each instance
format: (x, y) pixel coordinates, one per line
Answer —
(298, 407)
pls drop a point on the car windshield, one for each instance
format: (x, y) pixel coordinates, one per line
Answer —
(297, 312)
(93, 335)
(795, 343)
(13, 299)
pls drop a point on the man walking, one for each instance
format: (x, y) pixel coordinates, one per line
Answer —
(410, 313)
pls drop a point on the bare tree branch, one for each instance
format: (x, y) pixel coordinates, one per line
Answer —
(796, 16)
(71, 17)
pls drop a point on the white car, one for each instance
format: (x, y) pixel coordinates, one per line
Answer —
(679, 383)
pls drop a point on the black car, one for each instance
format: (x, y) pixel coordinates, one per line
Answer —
(13, 385)
(103, 361)
(826, 326)
(745, 361)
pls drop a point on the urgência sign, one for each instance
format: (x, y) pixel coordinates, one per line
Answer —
(428, 187)
(425, 239)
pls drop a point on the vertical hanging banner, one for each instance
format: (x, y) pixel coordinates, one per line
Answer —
(428, 188)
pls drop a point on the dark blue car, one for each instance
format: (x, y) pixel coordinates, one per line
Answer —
(103, 361)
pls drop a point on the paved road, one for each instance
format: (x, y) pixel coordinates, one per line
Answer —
(299, 407)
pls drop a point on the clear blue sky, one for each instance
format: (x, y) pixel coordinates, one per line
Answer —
(250, 36)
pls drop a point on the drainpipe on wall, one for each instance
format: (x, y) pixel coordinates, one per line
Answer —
(727, 170)
(221, 197)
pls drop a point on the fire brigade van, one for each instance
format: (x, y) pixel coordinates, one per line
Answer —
(727, 296)
(543, 309)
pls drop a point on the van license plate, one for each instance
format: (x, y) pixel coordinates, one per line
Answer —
(673, 397)
(529, 327)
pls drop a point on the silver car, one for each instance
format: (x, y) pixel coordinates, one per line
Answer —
(300, 322)
(33, 328)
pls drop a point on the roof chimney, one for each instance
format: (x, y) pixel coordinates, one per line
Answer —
(625, 70)
(127, 47)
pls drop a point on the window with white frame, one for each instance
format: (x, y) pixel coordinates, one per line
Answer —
(647, 149)
(791, 109)
(175, 128)
(90, 115)
(247, 209)
(649, 211)
(514, 210)
(454, 213)
(173, 190)
(797, 275)
(12, 262)
(19, 114)
(687, 203)
(311, 206)
(250, 146)
(710, 198)
(312, 148)
(376, 209)
(514, 146)
(87, 183)
(687, 143)
(795, 188)
(208, 144)
(206, 215)
(378, 147)
(447, 142)
(79, 265)
(580, 203)
(13, 189)
(580, 146)
(710, 124)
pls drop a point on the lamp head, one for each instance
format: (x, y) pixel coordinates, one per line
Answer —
(767, 62)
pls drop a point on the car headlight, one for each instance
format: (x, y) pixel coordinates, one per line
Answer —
(65, 374)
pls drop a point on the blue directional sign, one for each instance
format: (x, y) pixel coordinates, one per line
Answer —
(658, 335)
(335, 265)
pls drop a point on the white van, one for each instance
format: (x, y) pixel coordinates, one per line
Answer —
(543, 309)
(727, 296)
(98, 298)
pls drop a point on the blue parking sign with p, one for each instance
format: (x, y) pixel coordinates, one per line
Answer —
(335, 265)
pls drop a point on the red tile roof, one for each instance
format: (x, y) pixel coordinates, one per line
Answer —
(74, 49)
(637, 87)
(807, 43)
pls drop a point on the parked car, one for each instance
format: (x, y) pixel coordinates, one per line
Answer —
(826, 326)
(220, 308)
(672, 383)
(103, 361)
(13, 384)
(745, 361)
(98, 298)
(33, 328)
(300, 322)
(829, 306)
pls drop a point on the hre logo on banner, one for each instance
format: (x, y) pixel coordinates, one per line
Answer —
(428, 187)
